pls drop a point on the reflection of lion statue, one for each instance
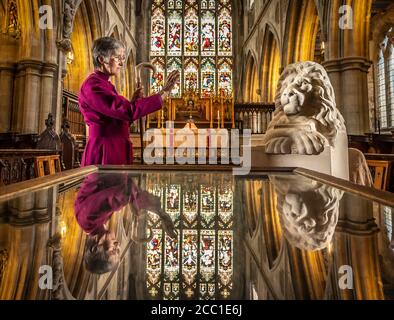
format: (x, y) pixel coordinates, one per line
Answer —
(306, 118)
(308, 211)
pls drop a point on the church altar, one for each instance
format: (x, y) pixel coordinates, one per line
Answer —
(216, 111)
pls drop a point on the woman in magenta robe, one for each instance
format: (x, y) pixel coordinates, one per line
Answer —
(100, 196)
(108, 114)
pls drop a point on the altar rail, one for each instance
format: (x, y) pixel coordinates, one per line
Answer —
(254, 116)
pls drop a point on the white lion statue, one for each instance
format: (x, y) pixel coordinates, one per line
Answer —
(306, 119)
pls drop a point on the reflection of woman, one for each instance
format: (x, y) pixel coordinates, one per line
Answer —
(99, 197)
(107, 113)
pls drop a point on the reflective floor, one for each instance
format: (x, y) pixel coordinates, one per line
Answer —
(162, 235)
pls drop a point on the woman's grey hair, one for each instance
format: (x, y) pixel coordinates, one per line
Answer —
(98, 261)
(105, 47)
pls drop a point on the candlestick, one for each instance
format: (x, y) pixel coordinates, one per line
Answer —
(169, 108)
(147, 121)
(222, 111)
(233, 111)
(211, 111)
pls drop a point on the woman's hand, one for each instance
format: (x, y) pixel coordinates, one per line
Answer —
(138, 94)
(170, 83)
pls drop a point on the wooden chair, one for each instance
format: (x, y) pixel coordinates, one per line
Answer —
(47, 165)
(380, 171)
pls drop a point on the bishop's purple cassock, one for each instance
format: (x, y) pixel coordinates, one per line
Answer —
(109, 116)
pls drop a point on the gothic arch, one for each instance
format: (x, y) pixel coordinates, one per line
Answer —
(35, 43)
(2, 15)
(379, 27)
(347, 42)
(85, 30)
(113, 31)
(270, 63)
(94, 16)
(252, 81)
(29, 61)
(301, 29)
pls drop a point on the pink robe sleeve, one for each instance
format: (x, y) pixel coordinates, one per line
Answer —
(145, 106)
(113, 105)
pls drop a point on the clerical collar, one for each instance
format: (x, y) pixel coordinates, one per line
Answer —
(102, 74)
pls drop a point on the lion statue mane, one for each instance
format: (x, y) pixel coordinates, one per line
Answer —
(306, 119)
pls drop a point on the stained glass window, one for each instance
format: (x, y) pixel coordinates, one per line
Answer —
(198, 264)
(157, 81)
(385, 81)
(194, 37)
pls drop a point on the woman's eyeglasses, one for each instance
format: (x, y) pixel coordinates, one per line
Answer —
(119, 59)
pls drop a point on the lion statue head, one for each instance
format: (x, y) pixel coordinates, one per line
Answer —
(308, 211)
(305, 102)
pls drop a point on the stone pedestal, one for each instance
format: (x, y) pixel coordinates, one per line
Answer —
(332, 161)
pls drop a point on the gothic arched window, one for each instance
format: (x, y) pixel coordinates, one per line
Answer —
(385, 81)
(194, 37)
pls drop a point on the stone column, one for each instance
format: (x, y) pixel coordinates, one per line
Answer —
(48, 95)
(7, 72)
(349, 77)
(28, 88)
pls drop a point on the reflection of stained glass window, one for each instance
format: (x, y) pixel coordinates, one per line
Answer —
(388, 221)
(201, 30)
(190, 206)
(153, 263)
(198, 264)
(225, 261)
(225, 204)
(173, 201)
